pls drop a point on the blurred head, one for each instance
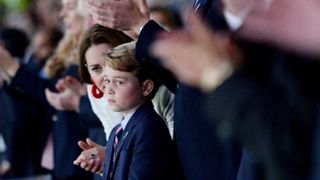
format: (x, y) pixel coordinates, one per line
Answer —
(15, 41)
(46, 12)
(73, 18)
(96, 41)
(44, 43)
(127, 83)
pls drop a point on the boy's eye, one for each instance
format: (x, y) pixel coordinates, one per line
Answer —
(107, 81)
(119, 82)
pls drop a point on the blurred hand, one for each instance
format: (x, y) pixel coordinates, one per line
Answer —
(291, 24)
(123, 15)
(187, 53)
(68, 96)
(92, 157)
(66, 100)
(71, 83)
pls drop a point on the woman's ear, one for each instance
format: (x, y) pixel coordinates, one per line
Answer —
(147, 87)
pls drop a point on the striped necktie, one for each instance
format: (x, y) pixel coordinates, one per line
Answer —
(119, 131)
(117, 138)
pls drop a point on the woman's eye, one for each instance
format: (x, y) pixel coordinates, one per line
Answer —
(96, 69)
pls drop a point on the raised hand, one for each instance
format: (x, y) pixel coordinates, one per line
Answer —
(71, 83)
(66, 100)
(290, 24)
(188, 53)
(68, 96)
(123, 15)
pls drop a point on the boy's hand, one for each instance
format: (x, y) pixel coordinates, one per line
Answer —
(92, 157)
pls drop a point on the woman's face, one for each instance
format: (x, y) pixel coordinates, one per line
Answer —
(95, 63)
(72, 20)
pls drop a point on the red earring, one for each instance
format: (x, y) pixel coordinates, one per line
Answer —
(95, 91)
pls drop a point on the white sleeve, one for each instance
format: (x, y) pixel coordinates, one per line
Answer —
(163, 103)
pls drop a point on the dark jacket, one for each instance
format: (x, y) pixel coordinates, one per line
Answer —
(145, 149)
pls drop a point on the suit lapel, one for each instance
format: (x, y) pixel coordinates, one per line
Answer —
(131, 125)
(109, 153)
(121, 142)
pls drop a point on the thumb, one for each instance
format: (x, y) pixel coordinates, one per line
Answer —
(83, 145)
(91, 143)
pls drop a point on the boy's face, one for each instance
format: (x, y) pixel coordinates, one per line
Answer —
(123, 90)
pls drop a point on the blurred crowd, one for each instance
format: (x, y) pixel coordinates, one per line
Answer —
(238, 90)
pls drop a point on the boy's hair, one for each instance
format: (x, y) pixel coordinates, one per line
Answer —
(122, 58)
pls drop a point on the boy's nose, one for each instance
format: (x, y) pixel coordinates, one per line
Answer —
(109, 90)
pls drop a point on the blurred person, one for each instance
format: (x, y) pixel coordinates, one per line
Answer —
(66, 127)
(276, 70)
(248, 104)
(22, 122)
(43, 46)
(46, 13)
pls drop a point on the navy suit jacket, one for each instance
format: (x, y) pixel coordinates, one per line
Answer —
(145, 150)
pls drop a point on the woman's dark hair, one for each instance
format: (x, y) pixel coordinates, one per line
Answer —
(97, 35)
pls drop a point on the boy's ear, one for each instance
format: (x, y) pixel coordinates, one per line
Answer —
(147, 87)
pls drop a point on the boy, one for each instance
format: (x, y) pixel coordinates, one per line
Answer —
(139, 147)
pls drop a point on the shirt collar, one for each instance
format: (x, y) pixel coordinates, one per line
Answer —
(126, 119)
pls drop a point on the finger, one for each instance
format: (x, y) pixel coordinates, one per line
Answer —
(100, 10)
(91, 143)
(198, 28)
(81, 159)
(51, 98)
(89, 165)
(71, 82)
(83, 145)
(142, 5)
(60, 85)
(83, 165)
(97, 165)
(77, 161)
